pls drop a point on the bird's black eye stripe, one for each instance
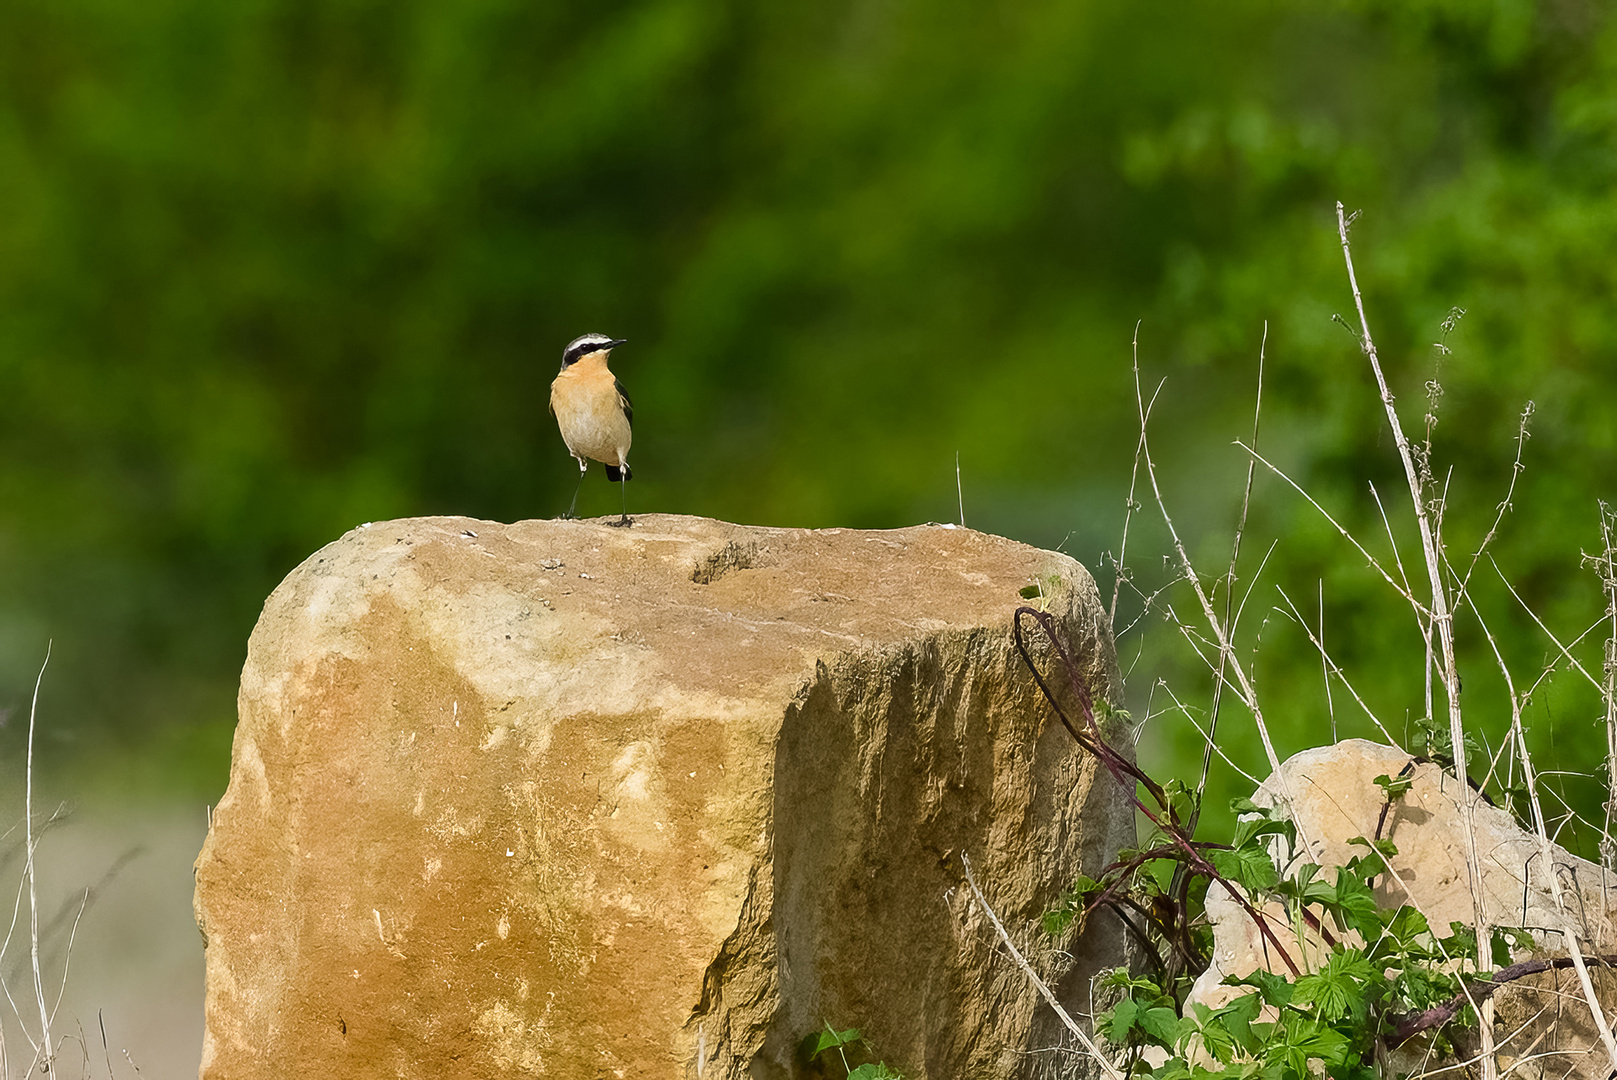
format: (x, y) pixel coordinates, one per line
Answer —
(578, 352)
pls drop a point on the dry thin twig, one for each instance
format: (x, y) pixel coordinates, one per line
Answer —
(42, 1052)
(1184, 710)
(1226, 648)
(1120, 564)
(1564, 650)
(1546, 855)
(1110, 1071)
(1332, 668)
(99, 1019)
(1442, 619)
(1516, 470)
(1402, 590)
(1229, 587)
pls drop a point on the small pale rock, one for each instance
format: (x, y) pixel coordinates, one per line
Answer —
(1545, 1027)
(1335, 798)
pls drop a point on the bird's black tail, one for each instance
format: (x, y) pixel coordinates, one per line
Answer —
(619, 473)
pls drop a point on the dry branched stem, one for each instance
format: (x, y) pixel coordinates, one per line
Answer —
(1606, 564)
(1442, 620)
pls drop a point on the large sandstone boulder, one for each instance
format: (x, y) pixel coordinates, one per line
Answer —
(557, 799)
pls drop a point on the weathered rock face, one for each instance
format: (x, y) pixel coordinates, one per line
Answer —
(557, 799)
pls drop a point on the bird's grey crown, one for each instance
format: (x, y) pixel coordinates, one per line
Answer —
(582, 346)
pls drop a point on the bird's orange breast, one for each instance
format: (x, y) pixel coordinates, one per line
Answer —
(590, 413)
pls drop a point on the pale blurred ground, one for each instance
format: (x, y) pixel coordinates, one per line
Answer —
(137, 957)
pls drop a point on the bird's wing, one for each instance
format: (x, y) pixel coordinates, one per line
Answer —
(624, 403)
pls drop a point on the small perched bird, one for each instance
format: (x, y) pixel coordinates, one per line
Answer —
(594, 412)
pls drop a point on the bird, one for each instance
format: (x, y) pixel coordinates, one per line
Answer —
(594, 413)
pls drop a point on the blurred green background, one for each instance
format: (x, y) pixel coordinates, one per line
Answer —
(271, 269)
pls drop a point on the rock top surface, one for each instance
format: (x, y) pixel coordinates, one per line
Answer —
(558, 799)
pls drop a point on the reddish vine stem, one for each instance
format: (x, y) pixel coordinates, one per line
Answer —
(1439, 1015)
(1126, 773)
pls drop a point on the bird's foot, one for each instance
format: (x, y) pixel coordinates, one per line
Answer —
(622, 523)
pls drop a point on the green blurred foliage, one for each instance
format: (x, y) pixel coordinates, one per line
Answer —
(274, 268)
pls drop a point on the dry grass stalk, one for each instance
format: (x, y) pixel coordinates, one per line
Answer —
(1110, 1071)
(43, 1044)
(1331, 667)
(1229, 589)
(1221, 633)
(1120, 563)
(42, 1050)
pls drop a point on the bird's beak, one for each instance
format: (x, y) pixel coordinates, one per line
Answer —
(616, 343)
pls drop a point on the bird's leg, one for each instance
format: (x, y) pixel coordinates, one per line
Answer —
(623, 482)
(572, 507)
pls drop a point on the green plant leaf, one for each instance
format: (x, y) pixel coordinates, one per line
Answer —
(1307, 1039)
(1237, 1018)
(1249, 829)
(1211, 1029)
(1161, 1024)
(1394, 787)
(829, 1038)
(1339, 988)
(1248, 867)
(1506, 938)
(1274, 989)
(877, 1071)
(1120, 1021)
